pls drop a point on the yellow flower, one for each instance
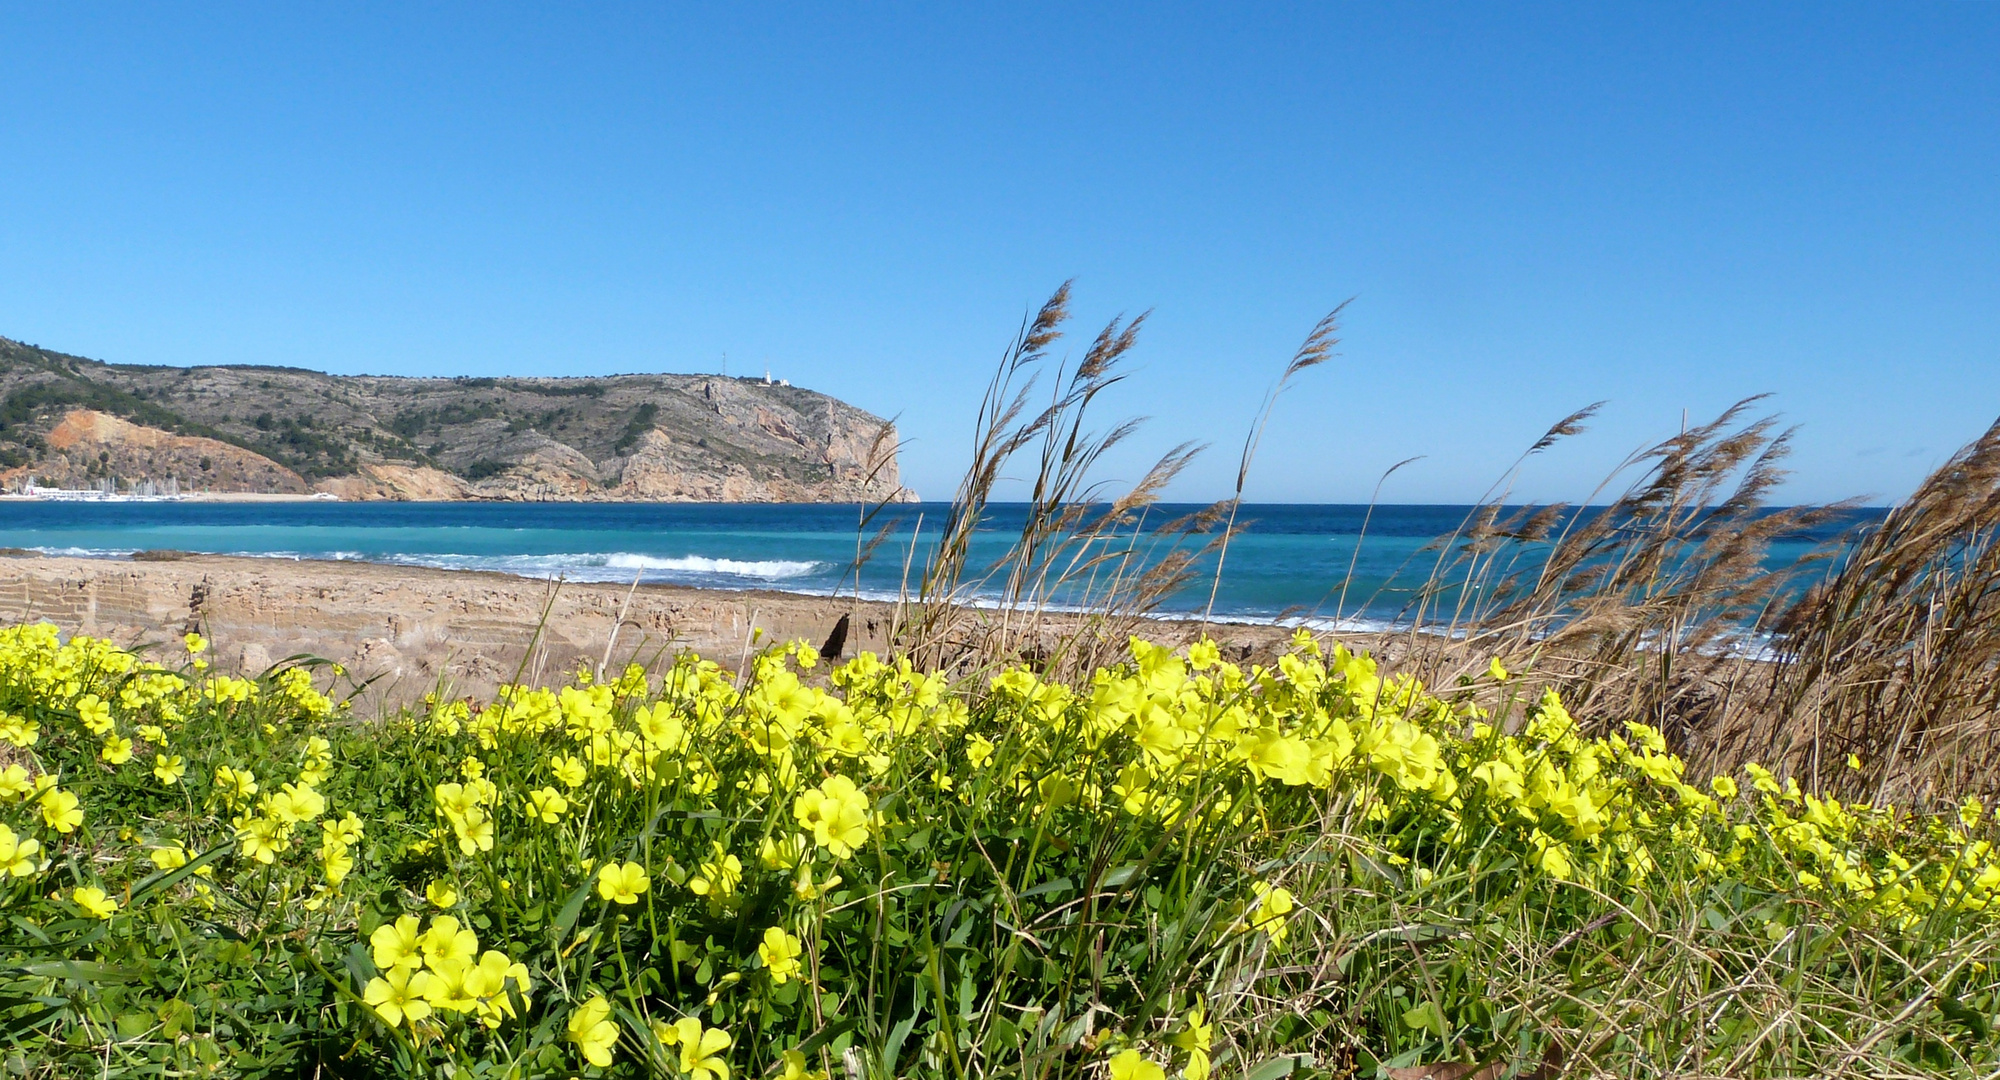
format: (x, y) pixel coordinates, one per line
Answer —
(1970, 813)
(1498, 670)
(570, 771)
(117, 750)
(780, 952)
(171, 857)
(547, 805)
(1132, 1065)
(717, 877)
(296, 803)
(1723, 786)
(837, 814)
(93, 901)
(1203, 654)
(196, 644)
(169, 768)
(22, 733)
(795, 1067)
(60, 810)
(622, 883)
(781, 854)
(591, 1029)
(95, 714)
(398, 995)
(448, 989)
(395, 945)
(261, 839)
(14, 783)
(17, 856)
(235, 784)
(445, 942)
(1198, 1034)
(1269, 909)
(474, 831)
(700, 1050)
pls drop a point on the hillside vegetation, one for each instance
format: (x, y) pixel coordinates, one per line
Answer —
(646, 437)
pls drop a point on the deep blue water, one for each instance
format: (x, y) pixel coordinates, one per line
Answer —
(1291, 561)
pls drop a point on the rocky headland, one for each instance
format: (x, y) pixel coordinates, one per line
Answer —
(66, 421)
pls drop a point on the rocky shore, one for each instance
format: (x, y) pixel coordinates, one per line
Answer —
(411, 629)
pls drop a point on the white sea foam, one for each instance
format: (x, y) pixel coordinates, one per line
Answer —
(768, 569)
(622, 566)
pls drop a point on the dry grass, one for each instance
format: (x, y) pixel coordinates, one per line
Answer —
(1660, 605)
(1664, 607)
(1081, 548)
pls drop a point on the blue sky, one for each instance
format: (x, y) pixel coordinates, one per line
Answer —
(1533, 207)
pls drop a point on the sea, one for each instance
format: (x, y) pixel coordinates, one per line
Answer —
(1337, 566)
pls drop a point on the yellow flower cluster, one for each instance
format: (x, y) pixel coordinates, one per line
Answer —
(695, 799)
(439, 968)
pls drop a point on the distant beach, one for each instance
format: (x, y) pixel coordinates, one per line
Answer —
(409, 627)
(413, 591)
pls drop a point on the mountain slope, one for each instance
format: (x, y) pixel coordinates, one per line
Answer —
(637, 437)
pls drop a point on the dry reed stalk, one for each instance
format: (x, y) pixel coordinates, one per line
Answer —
(1893, 655)
(1076, 546)
(1636, 609)
(1316, 350)
(1662, 607)
(1651, 608)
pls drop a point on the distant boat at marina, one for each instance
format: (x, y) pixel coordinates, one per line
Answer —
(143, 491)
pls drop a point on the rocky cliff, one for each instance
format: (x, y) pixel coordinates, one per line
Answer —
(72, 422)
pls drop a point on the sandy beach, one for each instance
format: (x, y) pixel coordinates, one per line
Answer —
(407, 628)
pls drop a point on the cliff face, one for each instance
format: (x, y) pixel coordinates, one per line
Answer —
(70, 421)
(86, 445)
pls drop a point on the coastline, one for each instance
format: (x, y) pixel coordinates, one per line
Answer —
(186, 497)
(413, 629)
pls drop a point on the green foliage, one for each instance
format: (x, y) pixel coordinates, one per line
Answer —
(641, 422)
(37, 399)
(1176, 866)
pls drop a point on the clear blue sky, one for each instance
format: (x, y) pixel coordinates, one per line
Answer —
(1669, 206)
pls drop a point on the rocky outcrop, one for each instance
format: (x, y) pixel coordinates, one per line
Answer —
(653, 437)
(398, 483)
(657, 470)
(86, 447)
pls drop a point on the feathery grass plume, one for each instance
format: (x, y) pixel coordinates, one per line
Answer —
(1641, 609)
(1893, 654)
(1079, 545)
(1317, 349)
(882, 451)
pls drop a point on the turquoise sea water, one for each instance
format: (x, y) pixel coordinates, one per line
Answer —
(1291, 561)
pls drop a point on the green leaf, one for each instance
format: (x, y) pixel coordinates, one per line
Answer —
(566, 919)
(88, 971)
(894, 1046)
(1059, 885)
(1425, 1017)
(826, 1035)
(1273, 1069)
